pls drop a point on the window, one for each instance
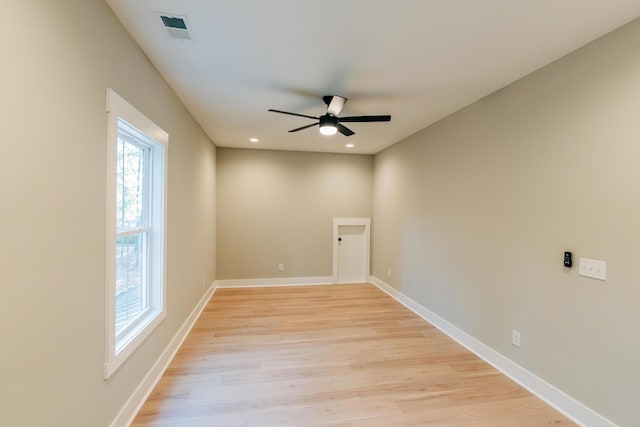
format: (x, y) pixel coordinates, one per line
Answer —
(136, 177)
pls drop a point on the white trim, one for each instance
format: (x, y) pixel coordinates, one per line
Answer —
(567, 405)
(277, 281)
(135, 118)
(118, 109)
(366, 223)
(141, 393)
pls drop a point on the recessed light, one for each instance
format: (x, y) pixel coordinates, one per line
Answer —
(254, 139)
(349, 145)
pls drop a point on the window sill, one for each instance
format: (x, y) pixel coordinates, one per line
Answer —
(127, 344)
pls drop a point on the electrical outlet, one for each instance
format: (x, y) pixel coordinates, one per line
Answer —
(515, 338)
(280, 267)
(389, 273)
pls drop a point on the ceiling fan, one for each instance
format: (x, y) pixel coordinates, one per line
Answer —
(329, 122)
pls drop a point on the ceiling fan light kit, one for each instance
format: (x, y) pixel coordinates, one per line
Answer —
(329, 122)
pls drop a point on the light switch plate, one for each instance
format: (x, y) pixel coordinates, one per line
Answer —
(593, 268)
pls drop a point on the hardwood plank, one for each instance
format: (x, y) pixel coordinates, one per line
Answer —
(340, 356)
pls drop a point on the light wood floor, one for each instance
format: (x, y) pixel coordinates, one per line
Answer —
(343, 355)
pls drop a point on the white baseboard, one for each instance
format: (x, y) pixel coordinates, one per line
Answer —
(561, 401)
(144, 389)
(277, 281)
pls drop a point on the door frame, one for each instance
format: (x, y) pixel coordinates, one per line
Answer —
(366, 222)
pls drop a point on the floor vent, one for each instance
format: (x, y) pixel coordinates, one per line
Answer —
(176, 26)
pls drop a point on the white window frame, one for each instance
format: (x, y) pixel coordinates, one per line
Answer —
(120, 347)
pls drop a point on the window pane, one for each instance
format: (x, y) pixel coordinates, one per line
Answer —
(130, 185)
(131, 272)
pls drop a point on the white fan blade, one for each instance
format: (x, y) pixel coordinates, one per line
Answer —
(337, 102)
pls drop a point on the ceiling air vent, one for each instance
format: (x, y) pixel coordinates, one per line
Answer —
(176, 26)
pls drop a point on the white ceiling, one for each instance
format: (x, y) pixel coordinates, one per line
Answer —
(418, 60)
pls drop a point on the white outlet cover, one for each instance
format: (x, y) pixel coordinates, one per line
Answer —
(593, 268)
(515, 338)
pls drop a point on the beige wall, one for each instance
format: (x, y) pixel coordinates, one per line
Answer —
(277, 207)
(59, 57)
(473, 215)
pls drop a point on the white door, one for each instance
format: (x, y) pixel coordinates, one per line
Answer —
(351, 251)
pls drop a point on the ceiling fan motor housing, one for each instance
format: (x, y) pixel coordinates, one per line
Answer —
(328, 120)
